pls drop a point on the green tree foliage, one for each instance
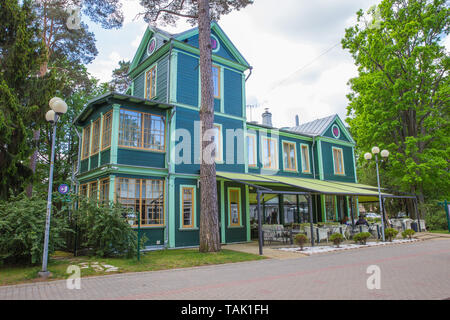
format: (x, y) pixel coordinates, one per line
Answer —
(120, 80)
(400, 99)
(435, 216)
(66, 141)
(68, 45)
(105, 230)
(22, 227)
(20, 91)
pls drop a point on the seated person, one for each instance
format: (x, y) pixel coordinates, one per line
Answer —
(345, 220)
(361, 221)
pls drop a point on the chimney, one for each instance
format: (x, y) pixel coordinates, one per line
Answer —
(297, 121)
(267, 118)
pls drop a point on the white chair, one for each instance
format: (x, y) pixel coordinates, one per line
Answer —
(364, 228)
(422, 224)
(344, 230)
(322, 234)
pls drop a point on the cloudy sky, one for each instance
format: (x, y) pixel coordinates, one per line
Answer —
(299, 66)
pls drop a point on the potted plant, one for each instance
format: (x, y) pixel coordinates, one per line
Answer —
(301, 239)
(391, 233)
(361, 237)
(337, 239)
(408, 233)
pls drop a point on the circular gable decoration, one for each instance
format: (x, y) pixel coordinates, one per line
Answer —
(151, 46)
(335, 131)
(215, 45)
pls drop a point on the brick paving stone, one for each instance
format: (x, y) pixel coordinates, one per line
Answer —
(418, 270)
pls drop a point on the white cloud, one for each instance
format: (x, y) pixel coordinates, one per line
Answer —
(102, 69)
(299, 66)
(135, 43)
(131, 8)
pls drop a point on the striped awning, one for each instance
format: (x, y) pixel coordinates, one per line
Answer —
(367, 193)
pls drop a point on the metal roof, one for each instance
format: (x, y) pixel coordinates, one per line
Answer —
(115, 97)
(314, 128)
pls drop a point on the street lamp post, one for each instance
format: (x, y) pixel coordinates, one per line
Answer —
(58, 108)
(368, 156)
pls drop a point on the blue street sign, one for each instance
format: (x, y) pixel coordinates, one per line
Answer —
(63, 188)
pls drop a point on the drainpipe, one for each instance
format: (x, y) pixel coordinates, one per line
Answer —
(169, 167)
(251, 69)
(313, 162)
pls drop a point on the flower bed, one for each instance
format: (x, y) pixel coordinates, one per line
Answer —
(322, 249)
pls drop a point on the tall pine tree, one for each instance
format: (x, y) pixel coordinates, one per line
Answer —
(200, 12)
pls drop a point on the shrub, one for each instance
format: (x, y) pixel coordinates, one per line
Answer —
(22, 230)
(106, 231)
(337, 239)
(435, 218)
(390, 233)
(361, 237)
(301, 239)
(408, 233)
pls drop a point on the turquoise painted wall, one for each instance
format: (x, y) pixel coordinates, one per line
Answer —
(186, 119)
(186, 238)
(280, 139)
(161, 81)
(235, 234)
(233, 93)
(187, 80)
(141, 158)
(105, 156)
(327, 156)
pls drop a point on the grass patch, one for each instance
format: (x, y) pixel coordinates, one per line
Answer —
(439, 231)
(150, 261)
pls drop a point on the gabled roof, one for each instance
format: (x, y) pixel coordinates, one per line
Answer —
(221, 34)
(114, 97)
(166, 36)
(318, 127)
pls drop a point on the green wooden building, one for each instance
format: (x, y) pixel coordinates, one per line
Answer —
(141, 148)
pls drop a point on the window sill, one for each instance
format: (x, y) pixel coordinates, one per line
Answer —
(188, 229)
(270, 169)
(291, 171)
(144, 150)
(149, 227)
(235, 227)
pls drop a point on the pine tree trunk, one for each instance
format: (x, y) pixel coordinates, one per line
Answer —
(36, 135)
(209, 225)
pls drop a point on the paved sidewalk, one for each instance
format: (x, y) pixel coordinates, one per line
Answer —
(268, 251)
(419, 270)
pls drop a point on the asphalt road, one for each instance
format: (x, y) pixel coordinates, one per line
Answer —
(418, 270)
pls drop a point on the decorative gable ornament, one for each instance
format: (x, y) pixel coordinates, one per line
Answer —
(335, 131)
(151, 46)
(215, 44)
